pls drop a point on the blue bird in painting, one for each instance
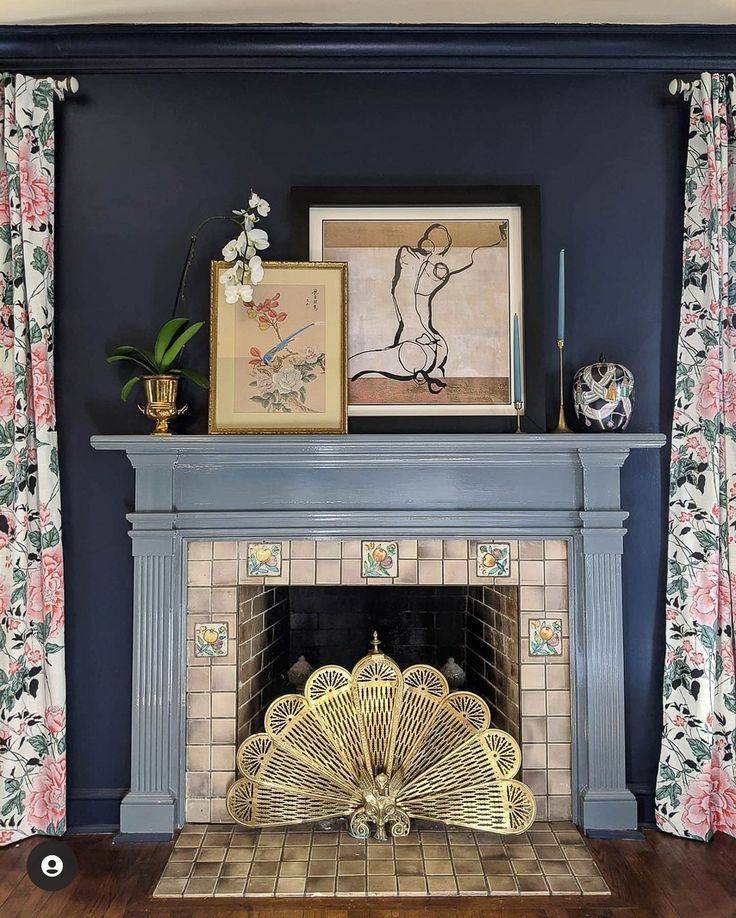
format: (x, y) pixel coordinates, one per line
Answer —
(270, 354)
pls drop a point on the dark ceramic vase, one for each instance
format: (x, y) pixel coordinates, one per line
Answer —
(603, 394)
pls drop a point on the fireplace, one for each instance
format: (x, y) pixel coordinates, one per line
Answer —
(318, 503)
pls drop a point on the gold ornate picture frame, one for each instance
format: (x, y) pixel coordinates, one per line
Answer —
(278, 365)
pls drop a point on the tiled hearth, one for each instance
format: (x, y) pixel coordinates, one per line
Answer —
(217, 860)
(515, 650)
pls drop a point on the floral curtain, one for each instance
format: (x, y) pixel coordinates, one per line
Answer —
(696, 782)
(32, 682)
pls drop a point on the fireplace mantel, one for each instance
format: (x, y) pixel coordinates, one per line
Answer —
(379, 486)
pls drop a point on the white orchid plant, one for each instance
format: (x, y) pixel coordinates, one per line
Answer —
(247, 268)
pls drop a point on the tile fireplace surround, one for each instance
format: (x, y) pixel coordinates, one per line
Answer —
(200, 500)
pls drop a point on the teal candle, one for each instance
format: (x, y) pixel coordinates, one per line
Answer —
(561, 299)
(517, 362)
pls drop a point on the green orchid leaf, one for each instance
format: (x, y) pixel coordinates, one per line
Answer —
(166, 336)
(128, 387)
(176, 348)
(197, 378)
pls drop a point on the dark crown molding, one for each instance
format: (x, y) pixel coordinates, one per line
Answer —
(378, 48)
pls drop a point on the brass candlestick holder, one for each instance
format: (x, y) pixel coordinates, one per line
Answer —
(518, 406)
(561, 423)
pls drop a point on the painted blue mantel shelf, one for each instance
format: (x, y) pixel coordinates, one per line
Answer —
(559, 486)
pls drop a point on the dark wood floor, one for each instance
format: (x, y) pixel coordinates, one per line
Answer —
(660, 876)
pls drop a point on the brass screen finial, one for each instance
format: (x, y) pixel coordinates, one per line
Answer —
(375, 643)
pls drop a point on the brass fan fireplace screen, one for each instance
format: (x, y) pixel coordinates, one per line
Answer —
(380, 747)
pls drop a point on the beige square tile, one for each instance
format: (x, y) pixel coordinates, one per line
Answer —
(429, 549)
(199, 550)
(224, 601)
(534, 755)
(534, 729)
(471, 885)
(435, 867)
(223, 730)
(558, 677)
(593, 886)
(220, 781)
(559, 807)
(502, 885)
(224, 550)
(302, 548)
(212, 854)
(430, 572)
(455, 549)
(198, 599)
(555, 573)
(555, 549)
(531, 598)
(172, 888)
(198, 758)
(381, 867)
(442, 885)
(197, 784)
(351, 549)
(328, 572)
(235, 869)
(531, 549)
(531, 572)
(408, 571)
(322, 868)
(412, 886)
(328, 549)
(351, 868)
(198, 732)
(533, 703)
(260, 886)
(555, 599)
(382, 886)
(558, 703)
(455, 572)
(533, 676)
(229, 887)
(535, 780)
(201, 886)
(320, 886)
(198, 678)
(584, 868)
(408, 549)
(295, 853)
(559, 756)
(351, 886)
(199, 573)
(302, 572)
(350, 572)
(290, 886)
(198, 704)
(224, 679)
(559, 730)
(526, 867)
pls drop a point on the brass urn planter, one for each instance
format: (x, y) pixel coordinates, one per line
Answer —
(161, 393)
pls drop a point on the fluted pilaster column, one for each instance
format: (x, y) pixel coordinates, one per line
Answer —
(151, 804)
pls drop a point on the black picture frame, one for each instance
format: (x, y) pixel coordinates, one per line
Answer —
(527, 198)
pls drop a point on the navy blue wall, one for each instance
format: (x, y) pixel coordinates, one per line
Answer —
(143, 158)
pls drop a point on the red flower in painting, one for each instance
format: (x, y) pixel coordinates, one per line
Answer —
(256, 355)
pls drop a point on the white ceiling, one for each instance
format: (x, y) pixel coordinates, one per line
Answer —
(657, 12)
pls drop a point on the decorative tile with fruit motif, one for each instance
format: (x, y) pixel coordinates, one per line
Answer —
(494, 559)
(264, 559)
(380, 559)
(545, 637)
(210, 639)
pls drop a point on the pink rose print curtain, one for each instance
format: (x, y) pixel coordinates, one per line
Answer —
(32, 684)
(696, 782)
